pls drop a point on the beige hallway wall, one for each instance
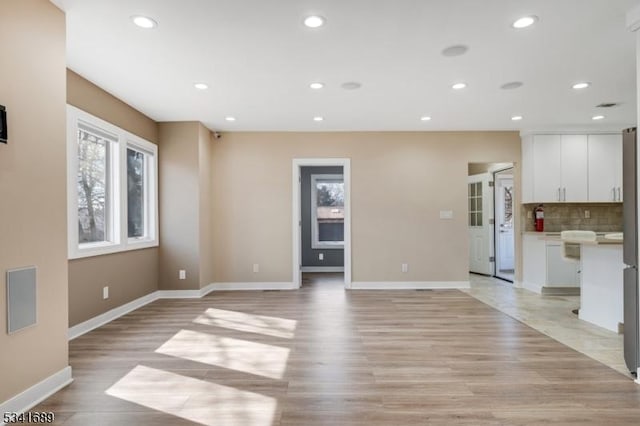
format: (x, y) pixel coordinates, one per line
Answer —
(400, 183)
(130, 274)
(33, 188)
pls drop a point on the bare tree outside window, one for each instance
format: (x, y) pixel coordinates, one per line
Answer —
(135, 193)
(92, 187)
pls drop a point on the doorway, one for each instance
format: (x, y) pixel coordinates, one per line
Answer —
(321, 218)
(504, 236)
(491, 220)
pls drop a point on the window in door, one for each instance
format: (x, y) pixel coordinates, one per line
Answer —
(475, 204)
(327, 211)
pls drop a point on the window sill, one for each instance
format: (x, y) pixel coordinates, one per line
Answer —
(328, 246)
(100, 250)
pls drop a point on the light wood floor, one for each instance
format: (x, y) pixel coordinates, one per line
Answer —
(325, 356)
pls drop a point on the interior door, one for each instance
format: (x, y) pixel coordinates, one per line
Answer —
(480, 223)
(505, 242)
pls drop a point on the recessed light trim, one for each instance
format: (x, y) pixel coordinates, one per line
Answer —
(144, 22)
(425, 118)
(230, 118)
(201, 86)
(597, 117)
(517, 117)
(314, 21)
(459, 86)
(512, 85)
(351, 85)
(581, 85)
(318, 118)
(456, 50)
(316, 85)
(524, 22)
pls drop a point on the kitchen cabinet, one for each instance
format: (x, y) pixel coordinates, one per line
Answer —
(572, 168)
(605, 168)
(560, 168)
(543, 265)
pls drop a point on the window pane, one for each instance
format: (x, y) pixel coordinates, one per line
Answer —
(135, 193)
(330, 194)
(92, 187)
(331, 231)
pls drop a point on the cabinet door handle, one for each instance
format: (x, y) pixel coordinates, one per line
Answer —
(559, 194)
(614, 193)
(619, 195)
(564, 194)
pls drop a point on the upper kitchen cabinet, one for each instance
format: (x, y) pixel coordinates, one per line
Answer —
(560, 168)
(571, 168)
(605, 168)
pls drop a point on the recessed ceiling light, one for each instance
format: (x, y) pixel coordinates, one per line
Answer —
(456, 50)
(229, 118)
(581, 85)
(144, 22)
(314, 21)
(425, 118)
(201, 86)
(516, 118)
(459, 86)
(597, 117)
(316, 85)
(524, 22)
(351, 85)
(512, 85)
(318, 118)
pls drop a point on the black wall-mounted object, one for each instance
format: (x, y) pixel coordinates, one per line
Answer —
(3, 124)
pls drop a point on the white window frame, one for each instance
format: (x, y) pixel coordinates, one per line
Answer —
(315, 232)
(117, 229)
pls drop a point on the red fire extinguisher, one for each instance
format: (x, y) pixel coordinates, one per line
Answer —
(538, 215)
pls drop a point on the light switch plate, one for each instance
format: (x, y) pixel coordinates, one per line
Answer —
(446, 214)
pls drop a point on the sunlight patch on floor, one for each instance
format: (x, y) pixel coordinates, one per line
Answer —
(234, 354)
(240, 321)
(192, 399)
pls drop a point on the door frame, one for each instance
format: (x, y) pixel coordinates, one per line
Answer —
(297, 164)
(496, 229)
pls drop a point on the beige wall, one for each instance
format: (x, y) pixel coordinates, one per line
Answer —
(33, 229)
(400, 182)
(131, 274)
(205, 143)
(179, 204)
(88, 97)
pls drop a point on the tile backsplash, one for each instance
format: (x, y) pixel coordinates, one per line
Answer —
(604, 217)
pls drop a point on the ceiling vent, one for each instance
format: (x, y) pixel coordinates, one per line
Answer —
(607, 105)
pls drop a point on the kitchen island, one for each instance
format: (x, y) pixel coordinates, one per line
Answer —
(601, 288)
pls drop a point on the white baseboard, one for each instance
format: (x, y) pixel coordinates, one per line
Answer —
(37, 393)
(322, 269)
(536, 288)
(178, 294)
(409, 285)
(95, 322)
(518, 284)
(251, 286)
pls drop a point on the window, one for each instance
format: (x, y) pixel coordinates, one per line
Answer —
(112, 188)
(327, 211)
(475, 204)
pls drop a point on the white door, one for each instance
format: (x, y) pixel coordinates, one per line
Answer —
(480, 224)
(504, 224)
(604, 156)
(547, 186)
(574, 168)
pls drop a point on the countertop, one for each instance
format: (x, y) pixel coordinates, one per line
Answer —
(555, 236)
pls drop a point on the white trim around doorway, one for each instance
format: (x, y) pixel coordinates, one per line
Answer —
(297, 163)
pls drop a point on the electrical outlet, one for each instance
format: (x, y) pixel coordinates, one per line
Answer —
(587, 214)
(320, 256)
(105, 292)
(182, 274)
(256, 268)
(529, 215)
(405, 267)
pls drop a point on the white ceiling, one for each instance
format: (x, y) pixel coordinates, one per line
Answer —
(258, 59)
